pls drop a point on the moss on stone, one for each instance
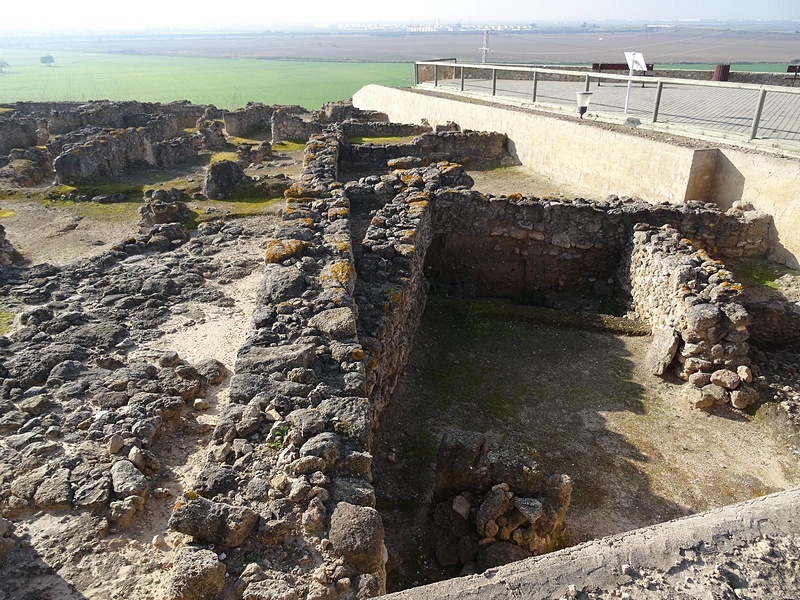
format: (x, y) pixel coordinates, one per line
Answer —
(340, 271)
(6, 321)
(279, 250)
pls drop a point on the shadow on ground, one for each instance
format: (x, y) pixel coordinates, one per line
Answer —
(578, 398)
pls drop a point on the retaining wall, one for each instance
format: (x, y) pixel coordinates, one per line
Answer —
(476, 148)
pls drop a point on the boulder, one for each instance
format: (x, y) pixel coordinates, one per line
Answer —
(212, 522)
(196, 575)
(222, 179)
(127, 480)
(356, 533)
(163, 206)
(662, 350)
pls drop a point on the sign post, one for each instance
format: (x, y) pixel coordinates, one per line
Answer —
(635, 63)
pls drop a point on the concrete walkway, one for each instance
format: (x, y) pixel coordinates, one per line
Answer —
(750, 547)
(718, 111)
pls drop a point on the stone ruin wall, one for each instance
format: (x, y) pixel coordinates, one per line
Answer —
(512, 246)
(300, 379)
(18, 132)
(63, 117)
(337, 112)
(107, 153)
(98, 138)
(699, 324)
(294, 126)
(467, 147)
(245, 120)
(363, 129)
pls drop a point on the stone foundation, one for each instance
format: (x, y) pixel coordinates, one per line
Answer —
(253, 117)
(694, 307)
(476, 148)
(105, 154)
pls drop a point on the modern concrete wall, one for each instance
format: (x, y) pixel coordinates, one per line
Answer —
(598, 161)
(772, 184)
(598, 565)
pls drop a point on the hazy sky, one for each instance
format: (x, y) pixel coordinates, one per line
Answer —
(90, 14)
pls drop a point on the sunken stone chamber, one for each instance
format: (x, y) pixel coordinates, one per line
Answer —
(334, 325)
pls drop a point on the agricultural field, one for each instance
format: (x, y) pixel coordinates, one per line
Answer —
(226, 83)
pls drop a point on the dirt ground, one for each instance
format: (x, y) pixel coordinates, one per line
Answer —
(585, 404)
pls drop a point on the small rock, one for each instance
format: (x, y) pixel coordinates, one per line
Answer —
(726, 379)
(197, 575)
(127, 480)
(115, 443)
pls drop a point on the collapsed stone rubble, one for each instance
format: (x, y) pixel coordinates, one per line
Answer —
(493, 504)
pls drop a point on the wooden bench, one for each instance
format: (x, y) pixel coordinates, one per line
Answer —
(617, 67)
(793, 70)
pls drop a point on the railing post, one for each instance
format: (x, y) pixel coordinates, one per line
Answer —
(658, 100)
(435, 75)
(586, 84)
(535, 83)
(416, 74)
(462, 78)
(757, 117)
(494, 82)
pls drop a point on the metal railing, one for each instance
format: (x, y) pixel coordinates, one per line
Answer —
(729, 112)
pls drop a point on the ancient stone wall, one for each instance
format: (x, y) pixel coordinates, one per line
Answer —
(512, 246)
(336, 112)
(693, 304)
(252, 117)
(294, 125)
(468, 147)
(391, 289)
(108, 153)
(26, 167)
(63, 117)
(776, 322)
(298, 403)
(361, 129)
(18, 132)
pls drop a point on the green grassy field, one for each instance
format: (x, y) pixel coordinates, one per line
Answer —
(226, 83)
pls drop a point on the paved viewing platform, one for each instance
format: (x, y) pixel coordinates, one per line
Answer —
(717, 111)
